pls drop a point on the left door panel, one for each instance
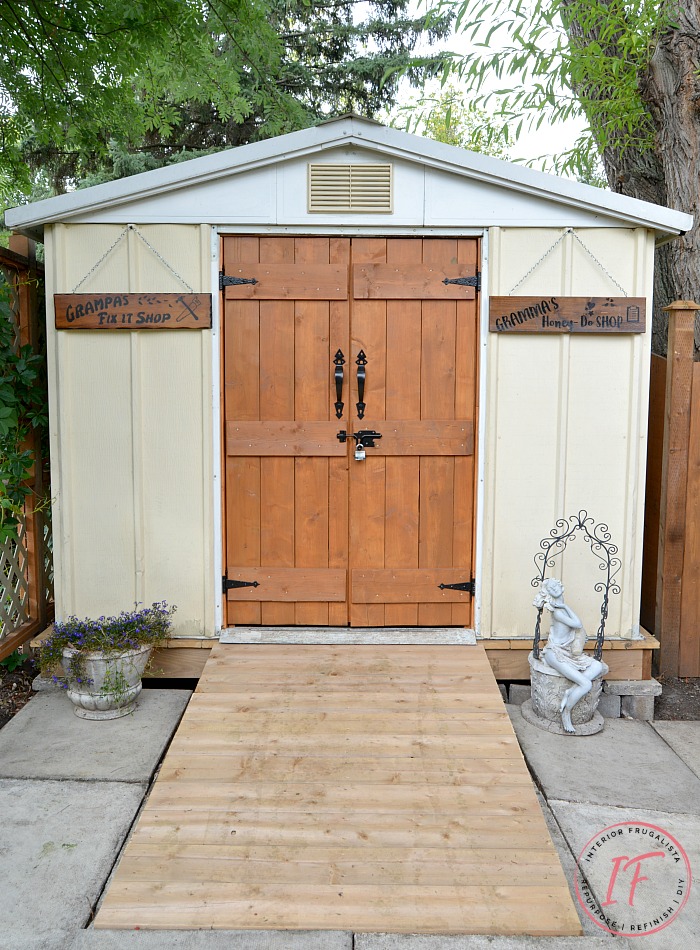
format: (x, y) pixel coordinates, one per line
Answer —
(286, 471)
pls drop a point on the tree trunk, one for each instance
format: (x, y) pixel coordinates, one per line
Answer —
(668, 174)
(670, 89)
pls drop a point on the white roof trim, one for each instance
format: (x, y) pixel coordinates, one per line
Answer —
(343, 132)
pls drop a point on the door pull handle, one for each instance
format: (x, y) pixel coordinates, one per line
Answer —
(339, 374)
(361, 376)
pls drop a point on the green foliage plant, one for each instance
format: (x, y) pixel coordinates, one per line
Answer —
(86, 83)
(537, 61)
(447, 115)
(13, 661)
(130, 630)
(23, 408)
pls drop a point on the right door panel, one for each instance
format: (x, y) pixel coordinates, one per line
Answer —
(411, 499)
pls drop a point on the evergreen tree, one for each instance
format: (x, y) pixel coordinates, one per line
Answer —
(108, 87)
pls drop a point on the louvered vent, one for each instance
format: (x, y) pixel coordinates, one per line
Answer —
(350, 188)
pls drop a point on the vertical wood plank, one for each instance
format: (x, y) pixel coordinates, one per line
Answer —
(438, 376)
(689, 645)
(403, 387)
(367, 479)
(652, 501)
(681, 328)
(438, 359)
(466, 389)
(312, 396)
(401, 540)
(338, 514)
(311, 528)
(277, 528)
(242, 402)
(277, 403)
(243, 526)
(463, 531)
(436, 528)
(367, 525)
(467, 314)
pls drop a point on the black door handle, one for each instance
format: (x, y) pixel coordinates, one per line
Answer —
(339, 361)
(361, 376)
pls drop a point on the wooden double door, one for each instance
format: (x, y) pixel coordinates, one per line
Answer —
(315, 535)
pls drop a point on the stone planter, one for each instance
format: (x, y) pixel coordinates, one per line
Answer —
(547, 690)
(109, 682)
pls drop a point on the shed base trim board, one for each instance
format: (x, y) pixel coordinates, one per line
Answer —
(352, 788)
(627, 659)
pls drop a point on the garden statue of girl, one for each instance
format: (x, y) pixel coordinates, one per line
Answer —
(564, 649)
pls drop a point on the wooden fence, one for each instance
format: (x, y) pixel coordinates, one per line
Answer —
(26, 569)
(671, 570)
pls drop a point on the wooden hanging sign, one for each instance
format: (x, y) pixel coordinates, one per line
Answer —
(567, 314)
(133, 311)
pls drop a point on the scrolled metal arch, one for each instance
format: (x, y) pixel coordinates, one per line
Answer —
(599, 540)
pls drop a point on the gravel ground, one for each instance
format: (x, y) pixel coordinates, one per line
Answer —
(15, 690)
(679, 699)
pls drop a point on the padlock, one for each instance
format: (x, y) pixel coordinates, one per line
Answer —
(360, 454)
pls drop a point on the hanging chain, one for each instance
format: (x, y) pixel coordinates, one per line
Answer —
(161, 258)
(602, 266)
(103, 258)
(586, 249)
(537, 263)
(132, 227)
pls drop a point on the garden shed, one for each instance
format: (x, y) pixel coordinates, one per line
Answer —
(286, 388)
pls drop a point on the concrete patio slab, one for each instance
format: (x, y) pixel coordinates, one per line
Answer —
(568, 862)
(467, 942)
(684, 739)
(212, 940)
(46, 740)
(59, 841)
(628, 764)
(580, 823)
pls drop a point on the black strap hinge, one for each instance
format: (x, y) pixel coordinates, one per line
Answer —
(469, 587)
(233, 585)
(225, 281)
(474, 281)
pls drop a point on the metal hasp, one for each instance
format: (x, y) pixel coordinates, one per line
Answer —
(225, 281)
(233, 585)
(339, 361)
(364, 437)
(361, 376)
(474, 281)
(467, 586)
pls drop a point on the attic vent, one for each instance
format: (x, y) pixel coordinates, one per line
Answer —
(350, 188)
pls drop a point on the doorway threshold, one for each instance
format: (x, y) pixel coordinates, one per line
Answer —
(347, 636)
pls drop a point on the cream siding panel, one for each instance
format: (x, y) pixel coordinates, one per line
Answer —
(132, 475)
(566, 430)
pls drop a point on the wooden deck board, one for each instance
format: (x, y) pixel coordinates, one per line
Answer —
(367, 788)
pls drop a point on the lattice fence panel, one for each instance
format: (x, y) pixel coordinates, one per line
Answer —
(48, 559)
(14, 583)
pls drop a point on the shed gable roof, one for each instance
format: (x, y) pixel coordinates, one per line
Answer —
(512, 194)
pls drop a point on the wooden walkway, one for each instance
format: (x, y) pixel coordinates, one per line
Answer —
(343, 787)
